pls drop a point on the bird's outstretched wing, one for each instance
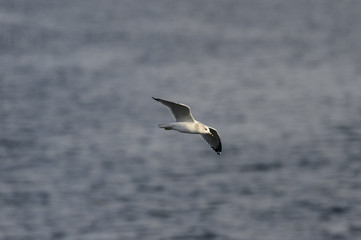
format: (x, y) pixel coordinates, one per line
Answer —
(213, 140)
(181, 112)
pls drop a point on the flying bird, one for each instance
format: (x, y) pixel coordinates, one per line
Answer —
(185, 123)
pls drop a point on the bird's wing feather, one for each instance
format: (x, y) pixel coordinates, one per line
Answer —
(181, 112)
(213, 141)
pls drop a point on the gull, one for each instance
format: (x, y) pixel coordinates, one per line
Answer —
(185, 123)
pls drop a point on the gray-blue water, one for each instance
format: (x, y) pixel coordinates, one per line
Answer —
(81, 156)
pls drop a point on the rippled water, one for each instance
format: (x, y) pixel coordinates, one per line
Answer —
(81, 156)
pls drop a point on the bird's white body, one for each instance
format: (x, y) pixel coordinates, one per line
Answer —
(186, 127)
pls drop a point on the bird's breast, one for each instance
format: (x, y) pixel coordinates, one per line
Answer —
(185, 127)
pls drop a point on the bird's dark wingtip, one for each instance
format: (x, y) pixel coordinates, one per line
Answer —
(218, 149)
(157, 99)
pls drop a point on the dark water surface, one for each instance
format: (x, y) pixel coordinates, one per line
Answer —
(81, 156)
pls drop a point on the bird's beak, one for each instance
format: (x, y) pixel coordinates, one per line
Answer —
(210, 134)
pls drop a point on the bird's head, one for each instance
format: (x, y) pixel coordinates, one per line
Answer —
(207, 131)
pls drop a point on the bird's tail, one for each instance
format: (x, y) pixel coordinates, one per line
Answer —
(165, 126)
